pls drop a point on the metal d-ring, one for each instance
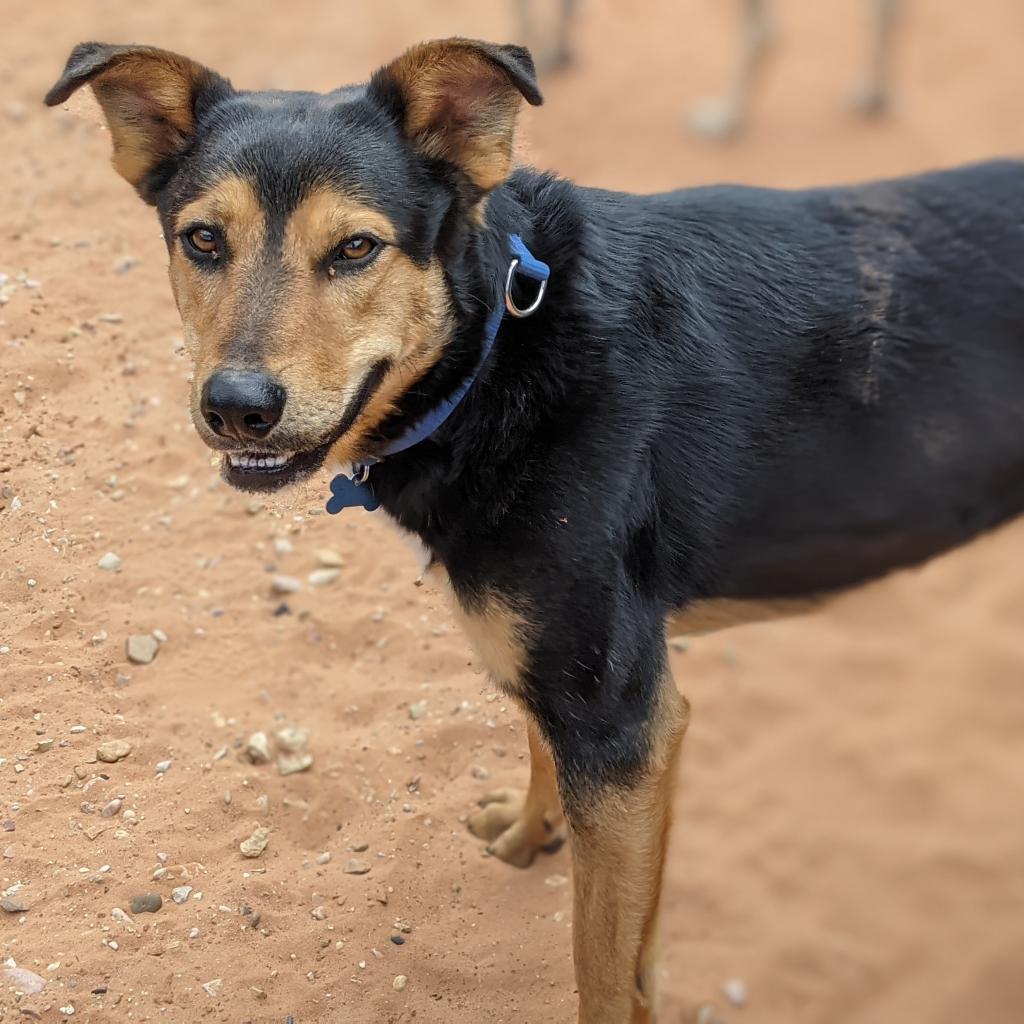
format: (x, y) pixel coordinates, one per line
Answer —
(510, 305)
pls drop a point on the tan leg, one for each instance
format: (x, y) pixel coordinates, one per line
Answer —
(723, 115)
(516, 824)
(618, 845)
(873, 93)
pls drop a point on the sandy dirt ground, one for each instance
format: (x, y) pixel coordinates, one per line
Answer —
(850, 838)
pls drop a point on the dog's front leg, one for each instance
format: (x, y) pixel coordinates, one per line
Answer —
(619, 829)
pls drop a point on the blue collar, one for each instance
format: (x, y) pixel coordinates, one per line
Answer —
(356, 491)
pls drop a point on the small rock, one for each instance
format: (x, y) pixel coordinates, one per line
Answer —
(12, 906)
(289, 764)
(111, 751)
(556, 881)
(292, 739)
(283, 546)
(44, 745)
(323, 577)
(193, 933)
(147, 903)
(319, 914)
(356, 867)
(162, 767)
(735, 990)
(285, 584)
(329, 558)
(212, 988)
(324, 858)
(117, 914)
(141, 648)
(181, 893)
(398, 940)
(24, 980)
(110, 562)
(256, 843)
(400, 982)
(111, 809)
(480, 772)
(257, 748)
(417, 710)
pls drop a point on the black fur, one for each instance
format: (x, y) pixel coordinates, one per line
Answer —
(728, 392)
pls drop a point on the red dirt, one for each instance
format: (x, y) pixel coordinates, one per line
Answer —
(850, 839)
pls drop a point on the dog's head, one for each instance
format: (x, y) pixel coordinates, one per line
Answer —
(304, 231)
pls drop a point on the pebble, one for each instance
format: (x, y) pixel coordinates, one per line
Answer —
(44, 745)
(162, 767)
(285, 584)
(111, 751)
(319, 914)
(117, 914)
(417, 710)
(735, 990)
(147, 903)
(480, 772)
(398, 940)
(12, 906)
(324, 858)
(356, 867)
(329, 558)
(141, 648)
(400, 982)
(292, 738)
(111, 809)
(283, 546)
(110, 562)
(24, 980)
(257, 748)
(324, 577)
(289, 764)
(212, 988)
(256, 843)
(76, 729)
(194, 933)
(181, 893)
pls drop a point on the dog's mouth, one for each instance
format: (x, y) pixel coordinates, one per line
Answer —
(254, 469)
(269, 471)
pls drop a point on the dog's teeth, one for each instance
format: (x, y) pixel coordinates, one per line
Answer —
(259, 460)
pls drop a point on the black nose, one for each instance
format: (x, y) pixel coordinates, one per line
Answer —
(242, 404)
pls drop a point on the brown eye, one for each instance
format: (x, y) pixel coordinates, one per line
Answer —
(204, 241)
(357, 248)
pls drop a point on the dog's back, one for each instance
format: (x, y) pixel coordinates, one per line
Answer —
(834, 379)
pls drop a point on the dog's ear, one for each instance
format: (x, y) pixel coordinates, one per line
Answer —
(150, 99)
(458, 100)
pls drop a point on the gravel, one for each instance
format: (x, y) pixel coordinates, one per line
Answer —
(141, 648)
(110, 562)
(147, 903)
(111, 751)
(256, 843)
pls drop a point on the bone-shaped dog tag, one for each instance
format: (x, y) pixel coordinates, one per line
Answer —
(346, 493)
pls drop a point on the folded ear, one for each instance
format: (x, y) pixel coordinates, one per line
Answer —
(150, 99)
(458, 100)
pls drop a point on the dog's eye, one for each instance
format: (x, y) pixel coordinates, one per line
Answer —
(203, 241)
(356, 249)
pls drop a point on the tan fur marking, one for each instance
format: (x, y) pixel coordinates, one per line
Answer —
(209, 303)
(331, 331)
(496, 633)
(721, 613)
(618, 843)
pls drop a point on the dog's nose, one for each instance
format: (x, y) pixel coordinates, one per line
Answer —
(242, 404)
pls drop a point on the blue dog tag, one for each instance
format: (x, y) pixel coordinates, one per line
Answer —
(346, 493)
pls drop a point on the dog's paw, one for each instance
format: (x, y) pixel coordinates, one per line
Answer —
(512, 833)
(716, 119)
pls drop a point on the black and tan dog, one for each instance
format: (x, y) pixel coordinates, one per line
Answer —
(730, 400)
